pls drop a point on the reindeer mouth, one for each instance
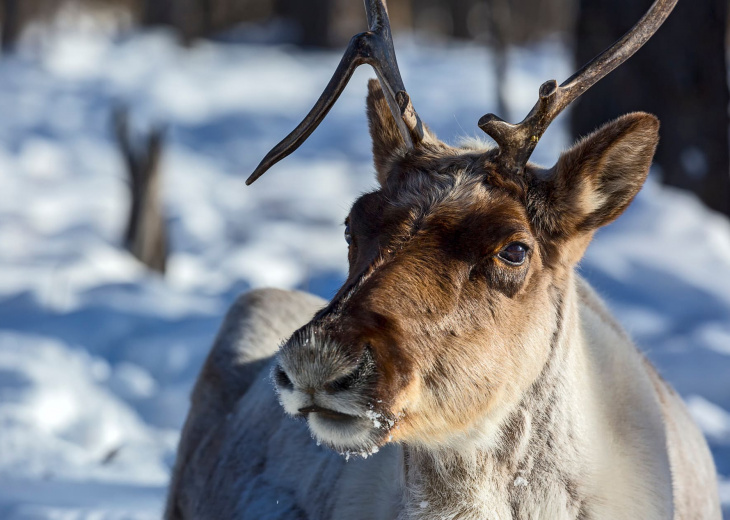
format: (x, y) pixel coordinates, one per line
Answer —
(345, 433)
(318, 380)
(327, 413)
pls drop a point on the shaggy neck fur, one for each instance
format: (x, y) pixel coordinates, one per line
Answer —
(554, 455)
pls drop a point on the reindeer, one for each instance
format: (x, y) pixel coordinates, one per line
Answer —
(464, 365)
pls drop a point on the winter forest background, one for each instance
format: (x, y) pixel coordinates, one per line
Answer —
(128, 127)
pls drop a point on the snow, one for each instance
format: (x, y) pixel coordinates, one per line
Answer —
(374, 417)
(97, 355)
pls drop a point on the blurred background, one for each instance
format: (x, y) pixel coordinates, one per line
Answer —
(128, 127)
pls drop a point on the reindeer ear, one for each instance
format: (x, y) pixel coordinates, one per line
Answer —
(594, 181)
(387, 141)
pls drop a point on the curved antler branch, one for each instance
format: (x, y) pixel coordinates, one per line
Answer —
(375, 48)
(517, 142)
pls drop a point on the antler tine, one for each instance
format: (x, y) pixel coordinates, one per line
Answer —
(517, 142)
(375, 48)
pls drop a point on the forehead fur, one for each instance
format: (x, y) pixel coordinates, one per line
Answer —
(439, 173)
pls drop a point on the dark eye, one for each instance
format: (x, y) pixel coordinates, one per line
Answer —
(513, 254)
(348, 235)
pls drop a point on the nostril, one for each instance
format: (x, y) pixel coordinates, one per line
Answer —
(343, 383)
(282, 379)
(358, 375)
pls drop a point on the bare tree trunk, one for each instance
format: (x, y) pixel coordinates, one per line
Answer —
(195, 18)
(189, 20)
(10, 25)
(206, 11)
(146, 234)
(680, 76)
(158, 12)
(313, 18)
(500, 18)
(460, 18)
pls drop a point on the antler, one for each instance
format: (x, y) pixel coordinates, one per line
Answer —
(375, 48)
(517, 142)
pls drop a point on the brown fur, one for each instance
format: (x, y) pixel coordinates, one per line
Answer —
(424, 265)
(509, 388)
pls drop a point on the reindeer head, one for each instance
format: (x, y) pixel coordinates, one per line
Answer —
(458, 261)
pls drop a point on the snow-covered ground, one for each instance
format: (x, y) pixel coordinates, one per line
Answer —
(97, 356)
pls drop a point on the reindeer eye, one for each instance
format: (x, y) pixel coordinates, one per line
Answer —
(513, 254)
(348, 235)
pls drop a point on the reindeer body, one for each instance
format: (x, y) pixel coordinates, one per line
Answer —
(598, 436)
(463, 353)
(483, 388)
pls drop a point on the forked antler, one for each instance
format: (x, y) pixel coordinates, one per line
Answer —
(517, 142)
(375, 48)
